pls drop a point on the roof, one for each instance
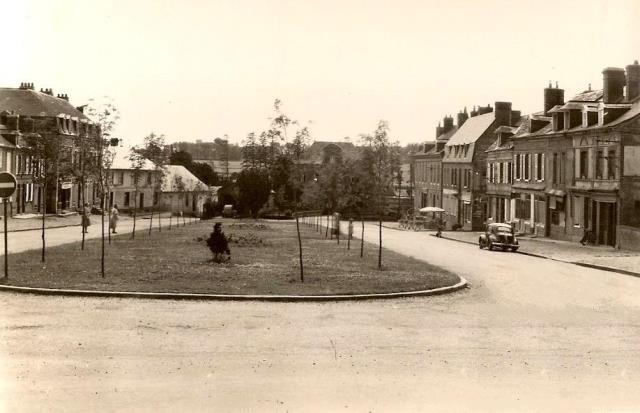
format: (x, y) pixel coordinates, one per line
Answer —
(121, 161)
(176, 174)
(28, 102)
(588, 96)
(448, 135)
(472, 129)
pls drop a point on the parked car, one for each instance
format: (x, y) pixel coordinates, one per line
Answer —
(498, 235)
(228, 211)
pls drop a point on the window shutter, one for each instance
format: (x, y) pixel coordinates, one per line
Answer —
(542, 165)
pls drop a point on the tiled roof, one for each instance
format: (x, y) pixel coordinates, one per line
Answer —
(472, 129)
(31, 103)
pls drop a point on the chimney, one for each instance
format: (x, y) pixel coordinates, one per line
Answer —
(614, 80)
(484, 109)
(438, 130)
(515, 117)
(633, 81)
(552, 97)
(462, 117)
(474, 112)
(63, 96)
(12, 121)
(503, 113)
(448, 124)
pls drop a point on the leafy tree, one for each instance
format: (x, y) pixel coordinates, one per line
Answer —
(253, 187)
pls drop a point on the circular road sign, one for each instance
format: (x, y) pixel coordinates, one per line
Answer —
(8, 184)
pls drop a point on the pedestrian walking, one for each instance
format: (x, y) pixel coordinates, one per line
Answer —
(113, 219)
(218, 243)
(86, 221)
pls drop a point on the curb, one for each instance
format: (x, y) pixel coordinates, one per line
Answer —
(229, 297)
(581, 264)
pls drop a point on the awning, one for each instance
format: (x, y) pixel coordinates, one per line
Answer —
(431, 209)
(556, 192)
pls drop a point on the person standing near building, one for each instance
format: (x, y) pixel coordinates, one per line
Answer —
(86, 221)
(113, 219)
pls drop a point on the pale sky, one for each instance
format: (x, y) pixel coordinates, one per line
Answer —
(201, 69)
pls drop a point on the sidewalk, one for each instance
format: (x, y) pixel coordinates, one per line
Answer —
(33, 221)
(608, 258)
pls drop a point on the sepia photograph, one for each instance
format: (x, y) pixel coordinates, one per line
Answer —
(320, 206)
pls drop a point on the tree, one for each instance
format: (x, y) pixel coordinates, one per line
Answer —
(381, 159)
(137, 161)
(44, 147)
(253, 186)
(105, 115)
(153, 149)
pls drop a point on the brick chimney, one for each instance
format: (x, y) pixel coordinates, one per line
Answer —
(448, 124)
(47, 91)
(438, 130)
(63, 96)
(614, 80)
(484, 109)
(462, 117)
(553, 96)
(26, 86)
(503, 113)
(633, 81)
(474, 112)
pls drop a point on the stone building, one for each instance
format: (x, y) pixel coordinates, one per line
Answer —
(464, 166)
(26, 112)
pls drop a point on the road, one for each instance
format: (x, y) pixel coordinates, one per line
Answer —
(529, 335)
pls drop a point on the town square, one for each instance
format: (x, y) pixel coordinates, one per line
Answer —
(314, 207)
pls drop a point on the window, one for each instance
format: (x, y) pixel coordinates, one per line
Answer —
(523, 210)
(501, 173)
(554, 168)
(540, 167)
(527, 166)
(599, 164)
(518, 175)
(584, 164)
(149, 178)
(509, 173)
(127, 197)
(612, 164)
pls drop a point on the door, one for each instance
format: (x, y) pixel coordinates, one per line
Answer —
(141, 203)
(607, 224)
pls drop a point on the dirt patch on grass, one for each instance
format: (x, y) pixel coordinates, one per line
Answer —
(264, 261)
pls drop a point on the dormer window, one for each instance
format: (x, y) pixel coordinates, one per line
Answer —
(558, 121)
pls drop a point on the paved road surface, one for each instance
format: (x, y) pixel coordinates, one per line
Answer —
(529, 335)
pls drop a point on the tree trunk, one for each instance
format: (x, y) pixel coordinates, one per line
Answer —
(151, 221)
(44, 212)
(362, 238)
(135, 209)
(300, 248)
(84, 212)
(380, 243)
(102, 236)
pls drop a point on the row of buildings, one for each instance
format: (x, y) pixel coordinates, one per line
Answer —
(573, 167)
(25, 112)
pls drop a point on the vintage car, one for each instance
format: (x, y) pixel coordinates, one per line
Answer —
(498, 236)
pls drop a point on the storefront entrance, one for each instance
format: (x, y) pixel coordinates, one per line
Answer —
(604, 215)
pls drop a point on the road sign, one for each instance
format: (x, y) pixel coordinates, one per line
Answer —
(8, 184)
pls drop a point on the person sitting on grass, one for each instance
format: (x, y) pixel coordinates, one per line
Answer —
(218, 244)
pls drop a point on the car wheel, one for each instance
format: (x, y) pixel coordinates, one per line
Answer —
(489, 246)
(514, 249)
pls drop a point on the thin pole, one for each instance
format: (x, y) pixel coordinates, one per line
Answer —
(300, 248)
(362, 238)
(6, 243)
